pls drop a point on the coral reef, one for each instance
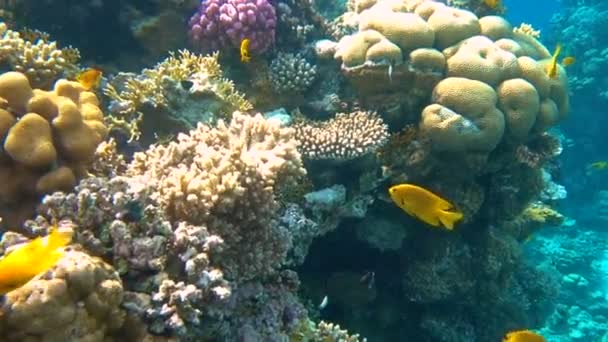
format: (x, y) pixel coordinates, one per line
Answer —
(224, 24)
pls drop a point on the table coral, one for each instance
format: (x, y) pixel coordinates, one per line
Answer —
(78, 299)
(223, 24)
(49, 137)
(345, 137)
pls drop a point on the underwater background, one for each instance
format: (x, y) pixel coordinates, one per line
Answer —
(304, 170)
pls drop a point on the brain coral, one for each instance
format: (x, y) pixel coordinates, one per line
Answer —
(49, 136)
(464, 116)
(220, 24)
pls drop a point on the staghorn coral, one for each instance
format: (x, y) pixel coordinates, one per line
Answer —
(345, 137)
(41, 61)
(107, 162)
(184, 89)
(49, 137)
(226, 178)
(291, 73)
(78, 299)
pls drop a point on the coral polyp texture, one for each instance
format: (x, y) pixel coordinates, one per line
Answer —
(49, 137)
(224, 24)
(291, 73)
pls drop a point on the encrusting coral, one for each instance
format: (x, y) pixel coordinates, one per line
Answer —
(40, 61)
(185, 83)
(49, 137)
(345, 137)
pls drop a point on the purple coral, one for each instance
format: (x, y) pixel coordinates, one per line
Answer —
(222, 24)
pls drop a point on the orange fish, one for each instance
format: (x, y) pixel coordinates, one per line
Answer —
(568, 61)
(425, 205)
(523, 336)
(89, 78)
(245, 56)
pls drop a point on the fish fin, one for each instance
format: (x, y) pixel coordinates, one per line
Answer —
(448, 218)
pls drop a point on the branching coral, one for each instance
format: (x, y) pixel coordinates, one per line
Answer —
(226, 178)
(175, 87)
(345, 137)
(291, 73)
(41, 61)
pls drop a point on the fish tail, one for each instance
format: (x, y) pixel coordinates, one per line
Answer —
(448, 218)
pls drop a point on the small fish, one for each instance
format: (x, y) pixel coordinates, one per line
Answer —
(493, 4)
(552, 66)
(89, 78)
(324, 303)
(32, 258)
(599, 165)
(245, 56)
(425, 205)
(567, 61)
(523, 336)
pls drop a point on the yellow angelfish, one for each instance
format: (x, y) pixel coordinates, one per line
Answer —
(245, 56)
(523, 336)
(425, 205)
(32, 258)
(493, 4)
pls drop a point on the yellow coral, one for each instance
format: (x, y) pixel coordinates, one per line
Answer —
(527, 29)
(150, 87)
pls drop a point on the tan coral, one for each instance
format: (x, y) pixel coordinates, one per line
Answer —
(77, 300)
(495, 27)
(520, 103)
(30, 141)
(463, 117)
(478, 58)
(452, 25)
(352, 50)
(51, 132)
(408, 30)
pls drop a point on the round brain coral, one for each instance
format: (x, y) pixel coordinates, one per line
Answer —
(221, 24)
(464, 117)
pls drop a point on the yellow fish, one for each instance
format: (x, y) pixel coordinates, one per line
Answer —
(32, 258)
(523, 336)
(568, 61)
(425, 205)
(245, 57)
(599, 165)
(89, 78)
(552, 67)
(493, 4)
